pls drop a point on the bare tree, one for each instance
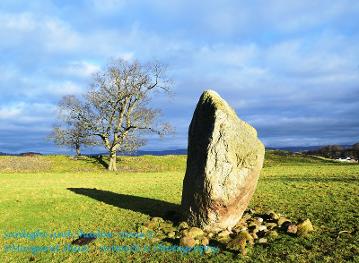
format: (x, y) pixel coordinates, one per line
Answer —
(71, 131)
(116, 108)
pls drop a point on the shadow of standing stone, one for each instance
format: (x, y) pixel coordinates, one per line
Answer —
(144, 205)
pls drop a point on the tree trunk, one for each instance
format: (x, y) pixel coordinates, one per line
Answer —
(78, 152)
(112, 164)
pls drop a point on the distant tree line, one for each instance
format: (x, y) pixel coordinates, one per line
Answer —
(337, 151)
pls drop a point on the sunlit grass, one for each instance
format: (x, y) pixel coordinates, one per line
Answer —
(80, 195)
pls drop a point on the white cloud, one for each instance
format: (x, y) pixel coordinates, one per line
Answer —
(10, 112)
(26, 112)
(299, 15)
(40, 89)
(82, 69)
(226, 19)
(59, 35)
(22, 22)
(35, 31)
(63, 88)
(229, 55)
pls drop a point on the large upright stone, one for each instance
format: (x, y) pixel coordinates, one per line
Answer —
(223, 165)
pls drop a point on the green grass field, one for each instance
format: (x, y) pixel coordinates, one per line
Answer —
(56, 194)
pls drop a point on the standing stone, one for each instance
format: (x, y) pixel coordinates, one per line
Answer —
(223, 165)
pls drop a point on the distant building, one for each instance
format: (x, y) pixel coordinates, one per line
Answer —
(346, 160)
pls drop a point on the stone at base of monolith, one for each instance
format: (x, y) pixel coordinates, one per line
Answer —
(223, 165)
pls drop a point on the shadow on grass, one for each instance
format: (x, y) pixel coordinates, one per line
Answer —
(96, 159)
(151, 207)
(101, 161)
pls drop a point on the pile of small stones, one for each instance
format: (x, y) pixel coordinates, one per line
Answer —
(253, 228)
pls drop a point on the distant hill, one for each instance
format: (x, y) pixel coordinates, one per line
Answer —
(184, 151)
(142, 153)
(160, 153)
(29, 154)
(137, 153)
(20, 154)
(7, 154)
(302, 148)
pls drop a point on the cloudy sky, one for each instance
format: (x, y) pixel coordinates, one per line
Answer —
(289, 68)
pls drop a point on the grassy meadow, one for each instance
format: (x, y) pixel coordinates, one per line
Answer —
(60, 196)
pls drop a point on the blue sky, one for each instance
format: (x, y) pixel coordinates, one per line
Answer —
(289, 68)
